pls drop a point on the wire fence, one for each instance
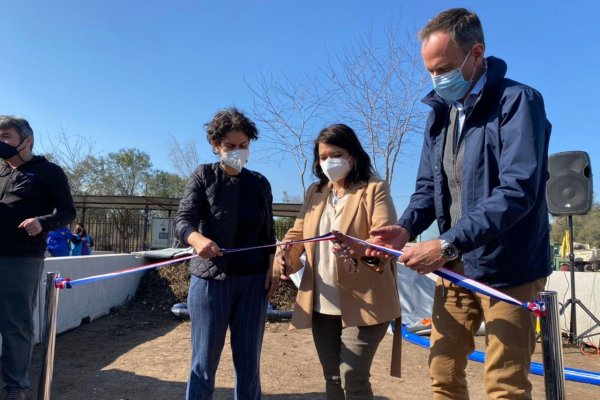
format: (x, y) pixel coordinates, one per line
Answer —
(135, 232)
(119, 235)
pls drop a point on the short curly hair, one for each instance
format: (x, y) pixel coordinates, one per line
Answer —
(227, 120)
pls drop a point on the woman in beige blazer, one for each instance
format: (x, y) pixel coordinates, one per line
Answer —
(346, 303)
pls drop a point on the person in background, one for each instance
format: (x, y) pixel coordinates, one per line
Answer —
(482, 176)
(59, 242)
(228, 206)
(348, 305)
(87, 242)
(34, 198)
(81, 242)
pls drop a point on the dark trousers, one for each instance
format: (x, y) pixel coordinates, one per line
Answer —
(19, 282)
(346, 355)
(240, 303)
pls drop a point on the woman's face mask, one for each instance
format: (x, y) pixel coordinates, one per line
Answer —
(335, 169)
(236, 159)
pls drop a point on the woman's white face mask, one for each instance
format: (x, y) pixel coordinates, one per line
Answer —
(335, 169)
(236, 159)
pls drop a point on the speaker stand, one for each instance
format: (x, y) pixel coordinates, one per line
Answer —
(574, 301)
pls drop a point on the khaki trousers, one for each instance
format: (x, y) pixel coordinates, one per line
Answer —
(509, 333)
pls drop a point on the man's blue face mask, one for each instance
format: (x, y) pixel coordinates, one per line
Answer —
(452, 86)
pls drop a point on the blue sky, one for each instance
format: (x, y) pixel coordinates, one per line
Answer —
(131, 73)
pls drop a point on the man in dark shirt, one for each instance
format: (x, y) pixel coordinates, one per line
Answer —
(34, 198)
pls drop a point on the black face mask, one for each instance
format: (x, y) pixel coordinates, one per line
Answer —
(7, 151)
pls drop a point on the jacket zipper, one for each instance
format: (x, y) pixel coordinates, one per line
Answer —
(456, 180)
(7, 183)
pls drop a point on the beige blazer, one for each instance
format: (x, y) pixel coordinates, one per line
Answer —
(366, 297)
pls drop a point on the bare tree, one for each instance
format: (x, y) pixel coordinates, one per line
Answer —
(290, 113)
(75, 154)
(184, 156)
(378, 90)
(374, 88)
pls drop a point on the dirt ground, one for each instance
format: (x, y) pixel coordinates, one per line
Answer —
(141, 352)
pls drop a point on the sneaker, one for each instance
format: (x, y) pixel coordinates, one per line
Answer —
(16, 394)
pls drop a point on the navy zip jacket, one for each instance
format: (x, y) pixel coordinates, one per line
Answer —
(503, 234)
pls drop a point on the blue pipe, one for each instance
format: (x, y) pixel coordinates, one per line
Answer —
(571, 374)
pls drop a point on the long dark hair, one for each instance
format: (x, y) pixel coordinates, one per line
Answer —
(343, 136)
(83, 231)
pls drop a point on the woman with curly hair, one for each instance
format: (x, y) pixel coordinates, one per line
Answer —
(227, 206)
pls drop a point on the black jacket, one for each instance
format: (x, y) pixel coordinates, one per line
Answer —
(37, 189)
(210, 206)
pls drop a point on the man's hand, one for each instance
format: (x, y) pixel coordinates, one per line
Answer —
(424, 257)
(32, 226)
(393, 236)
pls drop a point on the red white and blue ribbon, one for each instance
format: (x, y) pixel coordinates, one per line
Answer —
(461, 280)
(327, 236)
(68, 283)
(536, 307)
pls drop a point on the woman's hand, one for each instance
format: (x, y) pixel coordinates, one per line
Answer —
(282, 261)
(204, 247)
(344, 247)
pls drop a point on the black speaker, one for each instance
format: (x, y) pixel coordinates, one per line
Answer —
(569, 185)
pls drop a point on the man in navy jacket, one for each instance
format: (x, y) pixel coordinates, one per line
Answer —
(482, 177)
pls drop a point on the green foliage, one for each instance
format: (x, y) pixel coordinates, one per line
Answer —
(586, 228)
(282, 225)
(165, 184)
(123, 173)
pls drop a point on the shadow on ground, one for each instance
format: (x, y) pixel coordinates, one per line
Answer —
(85, 352)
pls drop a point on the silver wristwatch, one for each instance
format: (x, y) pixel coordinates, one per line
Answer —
(449, 251)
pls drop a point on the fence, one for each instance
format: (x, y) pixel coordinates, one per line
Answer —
(119, 235)
(131, 232)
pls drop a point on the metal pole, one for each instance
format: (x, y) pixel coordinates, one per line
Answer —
(145, 234)
(554, 376)
(49, 337)
(573, 323)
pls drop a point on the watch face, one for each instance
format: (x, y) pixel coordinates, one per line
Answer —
(449, 251)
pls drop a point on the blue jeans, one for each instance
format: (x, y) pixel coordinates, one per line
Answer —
(18, 289)
(240, 303)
